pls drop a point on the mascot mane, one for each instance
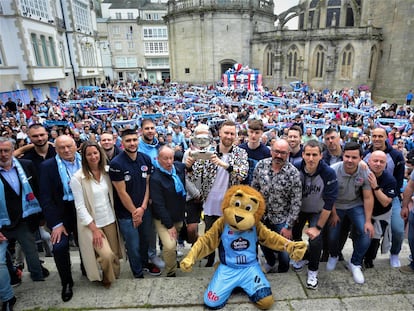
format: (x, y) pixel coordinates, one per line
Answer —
(250, 191)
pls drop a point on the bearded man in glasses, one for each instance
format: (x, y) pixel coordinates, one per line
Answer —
(279, 182)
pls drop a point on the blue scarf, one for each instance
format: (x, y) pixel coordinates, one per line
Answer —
(30, 205)
(65, 176)
(179, 187)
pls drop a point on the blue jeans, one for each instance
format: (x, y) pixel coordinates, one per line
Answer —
(136, 242)
(411, 235)
(269, 254)
(6, 291)
(397, 227)
(361, 240)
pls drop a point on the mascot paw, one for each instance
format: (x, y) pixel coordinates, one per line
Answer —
(296, 250)
(186, 265)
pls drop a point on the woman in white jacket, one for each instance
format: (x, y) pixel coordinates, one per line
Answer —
(99, 239)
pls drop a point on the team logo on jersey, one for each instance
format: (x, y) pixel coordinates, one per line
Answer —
(127, 177)
(240, 244)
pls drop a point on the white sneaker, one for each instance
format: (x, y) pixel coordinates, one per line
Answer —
(312, 282)
(180, 250)
(356, 273)
(395, 261)
(158, 262)
(298, 265)
(266, 268)
(331, 264)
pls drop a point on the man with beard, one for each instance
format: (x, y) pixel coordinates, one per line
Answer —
(149, 145)
(355, 200)
(294, 136)
(38, 151)
(228, 166)
(108, 144)
(279, 182)
(19, 207)
(129, 172)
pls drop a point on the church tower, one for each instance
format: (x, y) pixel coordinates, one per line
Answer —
(395, 70)
(206, 37)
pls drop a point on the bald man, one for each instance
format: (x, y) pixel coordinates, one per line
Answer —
(384, 188)
(396, 167)
(57, 201)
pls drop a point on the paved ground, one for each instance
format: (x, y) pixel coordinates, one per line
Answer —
(385, 289)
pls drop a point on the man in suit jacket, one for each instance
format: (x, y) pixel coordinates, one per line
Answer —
(19, 208)
(58, 206)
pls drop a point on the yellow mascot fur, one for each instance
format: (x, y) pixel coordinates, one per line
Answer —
(237, 234)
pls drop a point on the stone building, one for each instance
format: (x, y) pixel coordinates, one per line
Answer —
(137, 38)
(338, 43)
(47, 44)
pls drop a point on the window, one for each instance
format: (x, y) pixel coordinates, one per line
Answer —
(118, 15)
(62, 53)
(319, 60)
(121, 76)
(44, 50)
(158, 63)
(1, 56)
(187, 70)
(118, 46)
(52, 51)
(82, 16)
(155, 33)
(131, 45)
(292, 57)
(126, 62)
(35, 47)
(116, 30)
(152, 16)
(130, 15)
(347, 62)
(38, 8)
(156, 47)
(268, 62)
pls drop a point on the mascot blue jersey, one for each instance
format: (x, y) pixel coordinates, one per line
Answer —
(241, 247)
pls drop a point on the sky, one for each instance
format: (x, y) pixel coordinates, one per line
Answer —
(283, 5)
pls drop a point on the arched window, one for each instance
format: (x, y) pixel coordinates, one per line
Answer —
(319, 62)
(347, 62)
(268, 62)
(292, 62)
(373, 63)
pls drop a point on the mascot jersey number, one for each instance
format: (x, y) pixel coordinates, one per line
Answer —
(237, 234)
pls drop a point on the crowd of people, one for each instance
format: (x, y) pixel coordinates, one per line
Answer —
(110, 168)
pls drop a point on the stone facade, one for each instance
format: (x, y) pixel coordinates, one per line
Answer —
(339, 43)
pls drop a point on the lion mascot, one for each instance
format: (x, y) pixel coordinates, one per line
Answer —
(236, 234)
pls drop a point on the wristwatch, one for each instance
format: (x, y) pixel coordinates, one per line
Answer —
(377, 188)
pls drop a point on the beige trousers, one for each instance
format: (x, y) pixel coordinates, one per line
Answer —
(169, 245)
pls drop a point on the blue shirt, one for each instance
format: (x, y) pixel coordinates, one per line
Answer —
(134, 173)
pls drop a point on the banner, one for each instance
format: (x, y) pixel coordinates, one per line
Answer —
(37, 93)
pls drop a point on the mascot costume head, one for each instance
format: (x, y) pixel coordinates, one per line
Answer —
(237, 234)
